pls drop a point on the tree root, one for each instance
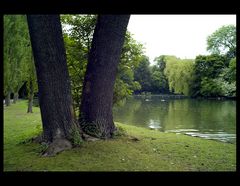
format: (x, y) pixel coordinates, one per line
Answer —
(60, 144)
(86, 137)
(38, 139)
(57, 146)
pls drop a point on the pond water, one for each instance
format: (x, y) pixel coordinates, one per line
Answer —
(209, 119)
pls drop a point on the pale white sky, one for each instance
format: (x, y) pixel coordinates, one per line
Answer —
(184, 36)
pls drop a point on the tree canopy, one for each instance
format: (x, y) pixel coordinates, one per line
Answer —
(17, 52)
(77, 42)
(223, 41)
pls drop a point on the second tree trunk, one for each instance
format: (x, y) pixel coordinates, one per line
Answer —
(96, 117)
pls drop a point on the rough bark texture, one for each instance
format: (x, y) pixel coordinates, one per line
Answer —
(30, 104)
(96, 117)
(30, 97)
(55, 99)
(15, 97)
(8, 100)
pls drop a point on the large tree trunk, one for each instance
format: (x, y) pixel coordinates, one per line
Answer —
(15, 97)
(96, 117)
(55, 99)
(8, 99)
(30, 97)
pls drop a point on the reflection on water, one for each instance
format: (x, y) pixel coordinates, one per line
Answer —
(154, 124)
(209, 119)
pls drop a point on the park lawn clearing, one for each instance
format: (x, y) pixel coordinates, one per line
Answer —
(152, 151)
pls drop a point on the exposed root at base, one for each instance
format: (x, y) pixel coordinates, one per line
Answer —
(58, 145)
(86, 137)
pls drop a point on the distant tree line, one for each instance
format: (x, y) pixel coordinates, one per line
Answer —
(211, 75)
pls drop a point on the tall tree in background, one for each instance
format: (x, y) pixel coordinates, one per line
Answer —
(142, 74)
(213, 77)
(96, 117)
(15, 49)
(6, 58)
(179, 73)
(31, 84)
(21, 56)
(223, 41)
(159, 80)
(52, 76)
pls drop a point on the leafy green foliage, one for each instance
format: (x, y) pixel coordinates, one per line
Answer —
(18, 67)
(232, 70)
(32, 85)
(77, 62)
(223, 41)
(179, 73)
(215, 74)
(210, 87)
(142, 74)
(13, 51)
(80, 28)
(121, 90)
(159, 80)
(131, 57)
(76, 138)
(78, 32)
(213, 77)
(217, 87)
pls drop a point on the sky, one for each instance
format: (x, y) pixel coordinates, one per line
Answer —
(184, 36)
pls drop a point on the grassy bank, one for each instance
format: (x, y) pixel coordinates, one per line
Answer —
(155, 151)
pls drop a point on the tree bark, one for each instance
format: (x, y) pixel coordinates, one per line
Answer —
(30, 97)
(55, 99)
(96, 117)
(30, 103)
(15, 97)
(8, 99)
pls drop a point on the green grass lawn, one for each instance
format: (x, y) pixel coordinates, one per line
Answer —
(156, 151)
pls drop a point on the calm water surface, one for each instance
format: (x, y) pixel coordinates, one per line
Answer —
(209, 119)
